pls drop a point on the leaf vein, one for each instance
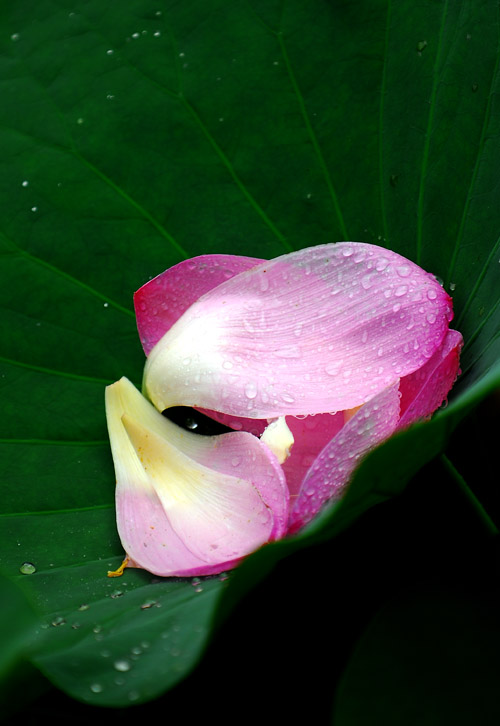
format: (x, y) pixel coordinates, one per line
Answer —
(430, 121)
(312, 136)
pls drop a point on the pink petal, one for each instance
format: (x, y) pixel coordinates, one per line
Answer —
(189, 504)
(328, 476)
(322, 329)
(311, 435)
(423, 391)
(242, 455)
(161, 301)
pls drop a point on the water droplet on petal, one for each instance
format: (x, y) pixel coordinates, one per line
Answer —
(250, 390)
(431, 294)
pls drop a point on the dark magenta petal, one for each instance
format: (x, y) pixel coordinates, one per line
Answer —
(311, 434)
(161, 301)
(423, 391)
(331, 471)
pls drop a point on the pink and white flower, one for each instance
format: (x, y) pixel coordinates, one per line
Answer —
(313, 358)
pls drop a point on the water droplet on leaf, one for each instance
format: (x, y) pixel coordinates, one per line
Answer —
(27, 568)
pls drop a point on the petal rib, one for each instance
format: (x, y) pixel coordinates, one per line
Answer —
(329, 474)
(322, 329)
(162, 300)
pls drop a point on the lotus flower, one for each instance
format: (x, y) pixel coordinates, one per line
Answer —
(313, 359)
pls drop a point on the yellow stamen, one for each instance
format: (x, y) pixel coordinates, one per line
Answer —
(119, 571)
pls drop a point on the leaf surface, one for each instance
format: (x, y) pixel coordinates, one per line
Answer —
(131, 139)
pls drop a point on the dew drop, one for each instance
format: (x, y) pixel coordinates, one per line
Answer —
(96, 688)
(401, 290)
(431, 294)
(191, 424)
(403, 270)
(14, 37)
(25, 183)
(84, 607)
(121, 665)
(27, 568)
(110, 51)
(58, 621)
(148, 604)
(452, 286)
(251, 390)
(116, 593)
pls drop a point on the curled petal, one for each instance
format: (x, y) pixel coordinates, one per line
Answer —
(188, 504)
(162, 300)
(322, 329)
(423, 391)
(332, 469)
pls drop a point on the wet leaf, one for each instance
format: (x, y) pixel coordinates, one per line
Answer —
(133, 139)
